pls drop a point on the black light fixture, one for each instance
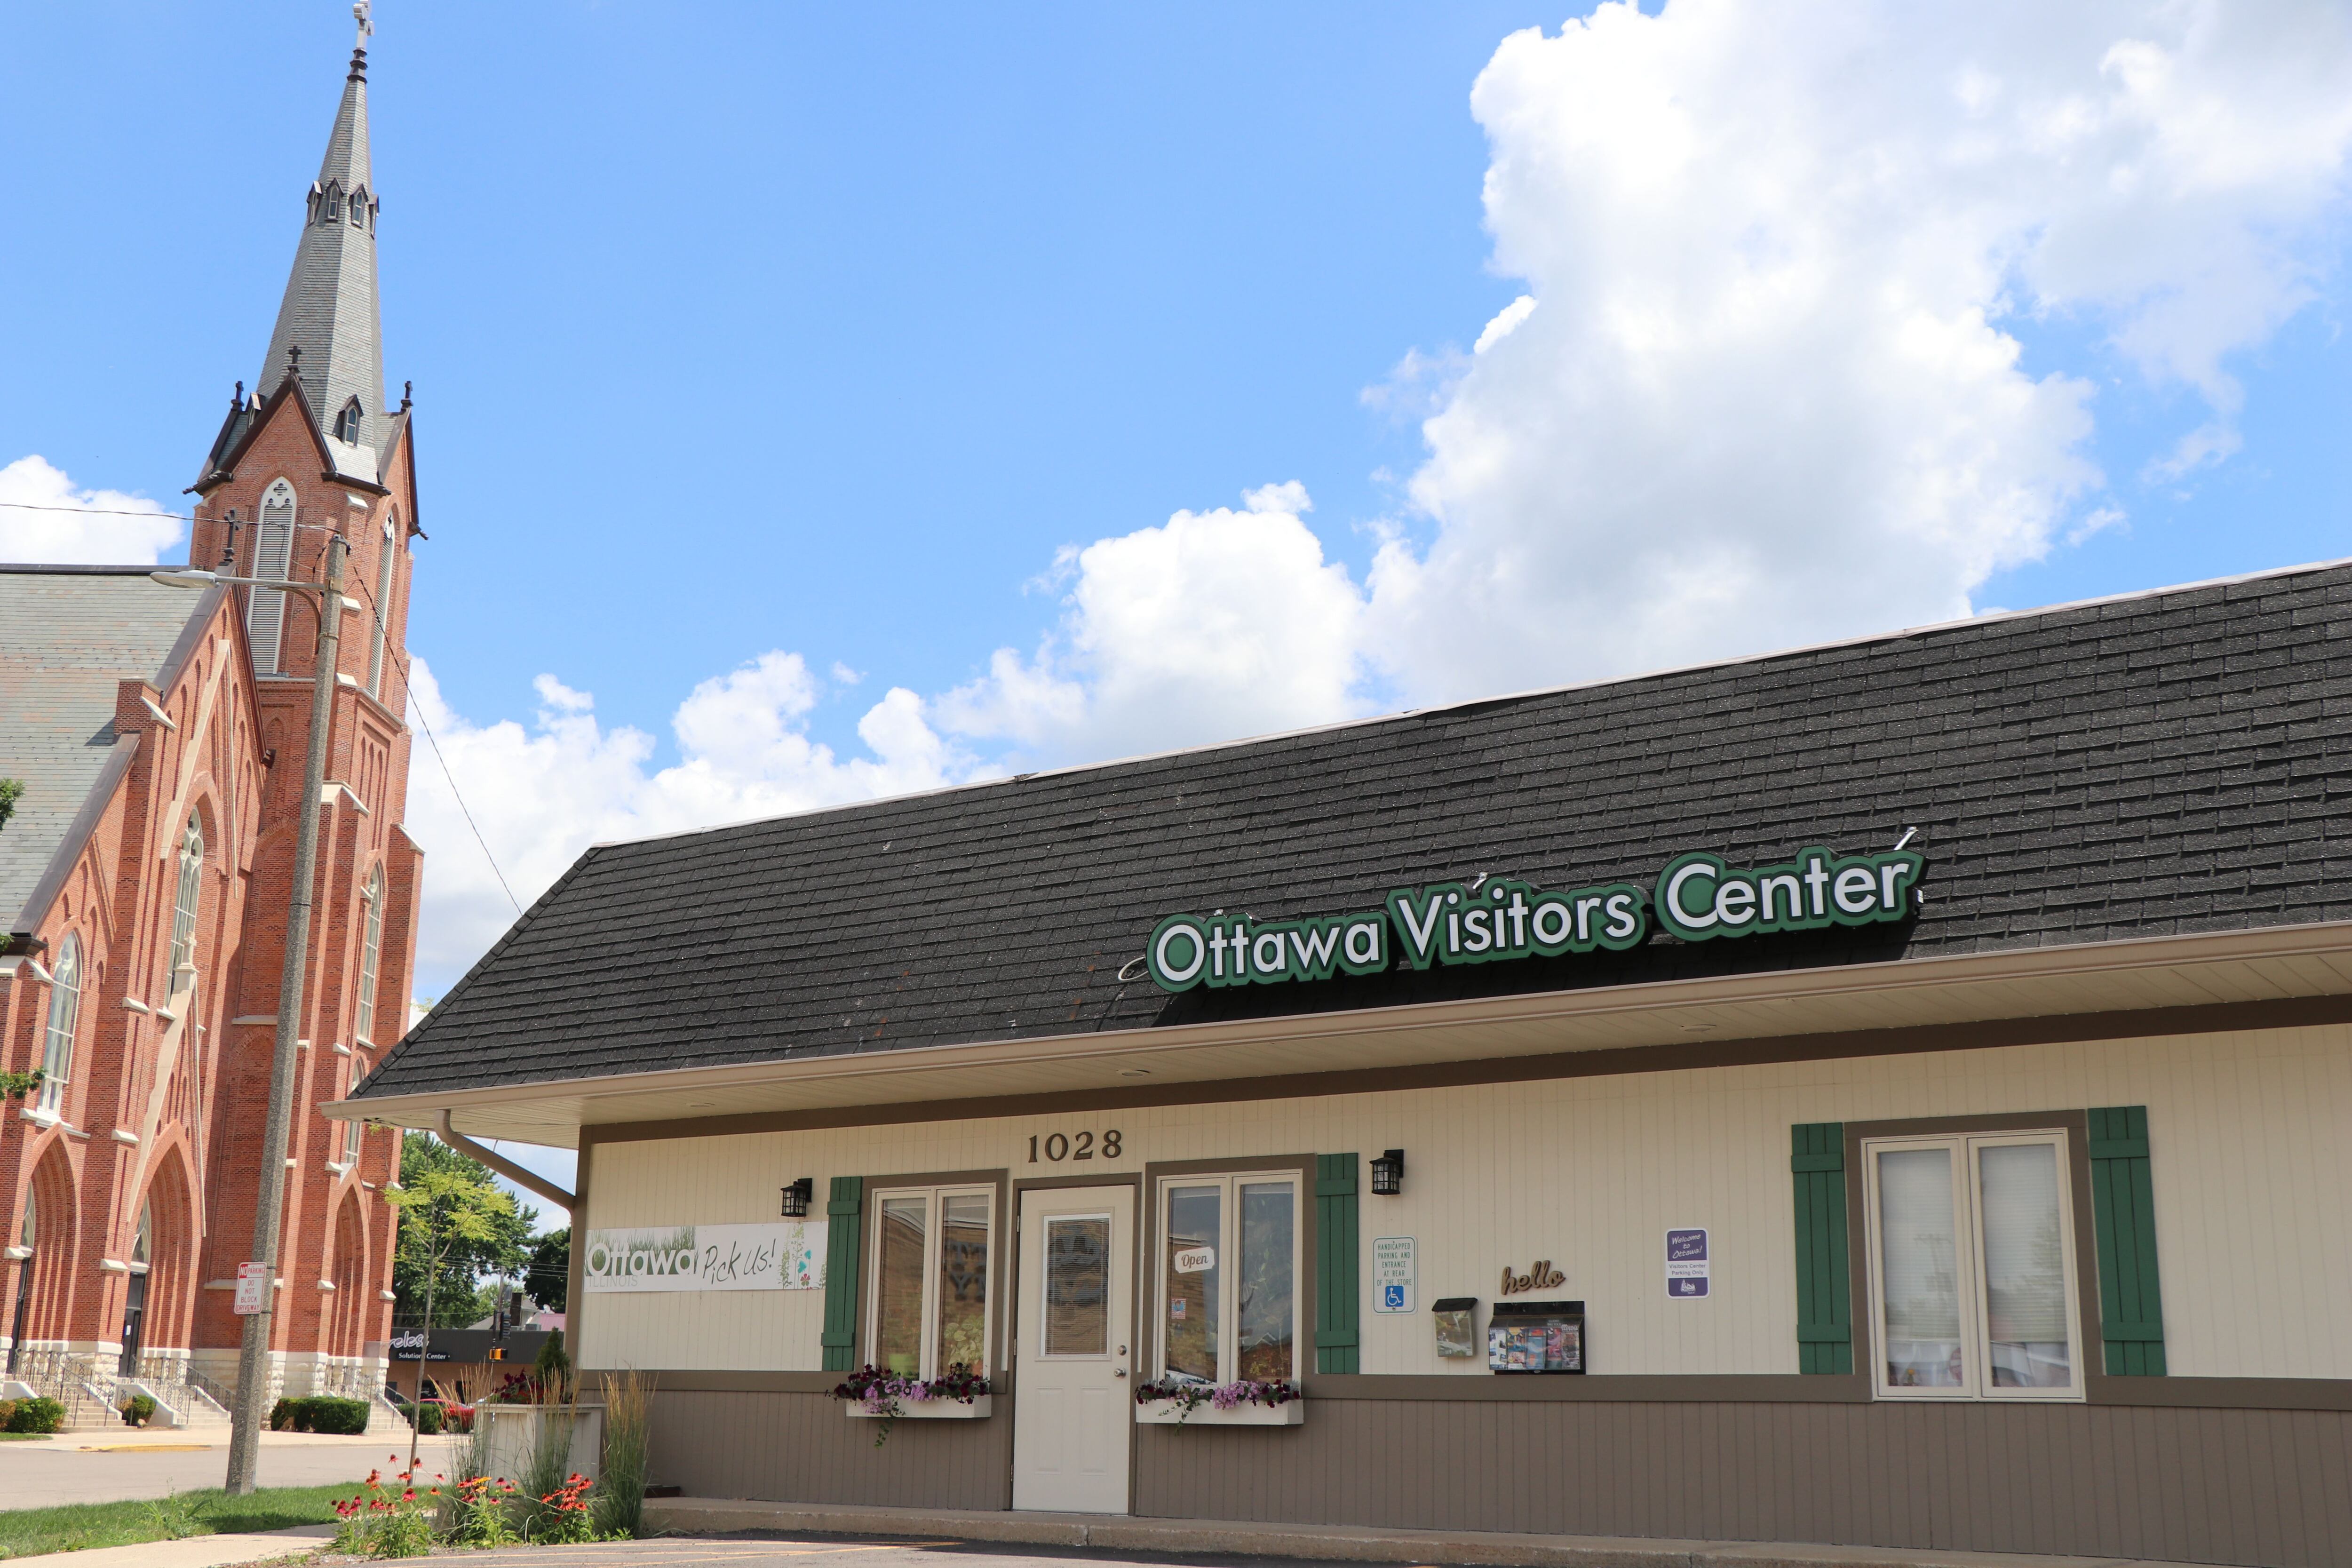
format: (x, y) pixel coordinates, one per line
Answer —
(797, 1196)
(1388, 1174)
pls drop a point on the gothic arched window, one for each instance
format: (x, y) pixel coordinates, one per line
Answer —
(347, 423)
(359, 208)
(371, 950)
(188, 898)
(382, 607)
(354, 1130)
(334, 201)
(65, 1014)
(273, 553)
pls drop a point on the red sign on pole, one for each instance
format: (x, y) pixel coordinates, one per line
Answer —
(252, 1288)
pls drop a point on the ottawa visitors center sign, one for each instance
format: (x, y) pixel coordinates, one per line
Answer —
(1697, 897)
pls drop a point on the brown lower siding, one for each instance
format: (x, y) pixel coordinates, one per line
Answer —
(2271, 1487)
(802, 1447)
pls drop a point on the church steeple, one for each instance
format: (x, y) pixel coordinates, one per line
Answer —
(329, 311)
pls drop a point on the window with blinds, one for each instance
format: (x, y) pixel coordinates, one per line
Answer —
(1972, 1267)
(273, 553)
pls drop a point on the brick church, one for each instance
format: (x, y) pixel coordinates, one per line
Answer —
(158, 736)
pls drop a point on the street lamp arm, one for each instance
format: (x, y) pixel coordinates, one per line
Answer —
(195, 578)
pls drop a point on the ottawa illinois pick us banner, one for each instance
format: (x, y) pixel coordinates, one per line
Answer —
(772, 1257)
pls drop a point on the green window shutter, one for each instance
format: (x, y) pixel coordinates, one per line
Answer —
(844, 1238)
(2123, 1208)
(1824, 1291)
(1338, 1292)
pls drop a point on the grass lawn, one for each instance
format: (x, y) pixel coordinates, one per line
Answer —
(24, 1437)
(29, 1531)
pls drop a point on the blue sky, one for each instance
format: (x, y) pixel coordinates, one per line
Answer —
(735, 326)
(817, 401)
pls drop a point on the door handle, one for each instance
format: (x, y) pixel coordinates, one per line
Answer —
(1118, 1372)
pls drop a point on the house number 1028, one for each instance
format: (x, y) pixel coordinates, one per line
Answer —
(1058, 1147)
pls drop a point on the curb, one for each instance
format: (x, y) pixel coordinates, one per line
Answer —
(1343, 1543)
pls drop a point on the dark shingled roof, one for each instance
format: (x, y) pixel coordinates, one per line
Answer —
(2157, 764)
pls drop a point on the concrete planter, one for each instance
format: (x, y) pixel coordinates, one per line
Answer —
(1168, 1412)
(928, 1409)
(515, 1431)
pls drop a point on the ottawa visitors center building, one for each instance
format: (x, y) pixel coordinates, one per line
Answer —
(1892, 1093)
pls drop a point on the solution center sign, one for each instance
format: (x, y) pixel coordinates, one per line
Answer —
(1697, 897)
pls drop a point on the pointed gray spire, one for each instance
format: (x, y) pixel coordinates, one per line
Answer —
(330, 309)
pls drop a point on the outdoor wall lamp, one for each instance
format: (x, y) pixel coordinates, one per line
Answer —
(797, 1196)
(1388, 1174)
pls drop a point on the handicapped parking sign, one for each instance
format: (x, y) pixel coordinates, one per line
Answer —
(1393, 1274)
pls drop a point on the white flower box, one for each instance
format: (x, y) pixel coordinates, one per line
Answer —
(1168, 1412)
(928, 1409)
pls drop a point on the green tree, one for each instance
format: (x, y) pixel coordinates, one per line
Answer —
(547, 1278)
(456, 1226)
(11, 792)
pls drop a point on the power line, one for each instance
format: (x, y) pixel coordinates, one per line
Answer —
(376, 614)
(94, 511)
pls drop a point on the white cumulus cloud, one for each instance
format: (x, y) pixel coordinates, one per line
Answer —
(1763, 387)
(46, 518)
(540, 794)
(1213, 624)
(1763, 384)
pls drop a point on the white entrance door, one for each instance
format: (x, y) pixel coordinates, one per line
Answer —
(1071, 1421)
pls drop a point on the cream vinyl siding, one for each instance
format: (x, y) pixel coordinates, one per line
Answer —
(2252, 1164)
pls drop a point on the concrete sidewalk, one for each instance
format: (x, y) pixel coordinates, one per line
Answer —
(201, 1551)
(1112, 1534)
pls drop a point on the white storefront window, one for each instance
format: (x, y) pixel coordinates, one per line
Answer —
(930, 1312)
(1228, 1273)
(1972, 1267)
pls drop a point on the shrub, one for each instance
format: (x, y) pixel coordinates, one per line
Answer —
(7, 1409)
(428, 1418)
(552, 1370)
(345, 1418)
(281, 1416)
(138, 1410)
(38, 1415)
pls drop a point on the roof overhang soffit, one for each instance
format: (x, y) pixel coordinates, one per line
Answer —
(2182, 971)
